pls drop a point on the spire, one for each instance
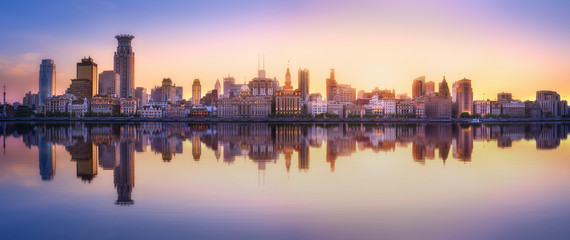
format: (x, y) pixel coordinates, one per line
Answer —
(263, 62)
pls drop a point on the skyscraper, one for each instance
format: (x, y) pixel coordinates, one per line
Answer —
(419, 87)
(47, 80)
(109, 83)
(196, 92)
(125, 65)
(218, 87)
(332, 88)
(463, 96)
(430, 87)
(87, 69)
(303, 82)
(228, 82)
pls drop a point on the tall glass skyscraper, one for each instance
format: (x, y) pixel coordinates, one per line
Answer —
(125, 65)
(47, 80)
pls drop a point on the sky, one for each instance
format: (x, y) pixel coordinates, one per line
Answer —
(501, 45)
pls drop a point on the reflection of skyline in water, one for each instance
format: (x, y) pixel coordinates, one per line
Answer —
(113, 146)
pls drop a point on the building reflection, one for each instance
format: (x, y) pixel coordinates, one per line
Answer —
(46, 158)
(112, 146)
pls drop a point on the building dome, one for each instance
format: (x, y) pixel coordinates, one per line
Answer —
(244, 89)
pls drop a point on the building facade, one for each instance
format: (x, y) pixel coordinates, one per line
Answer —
(109, 83)
(463, 96)
(124, 65)
(47, 80)
(87, 69)
(196, 92)
(303, 82)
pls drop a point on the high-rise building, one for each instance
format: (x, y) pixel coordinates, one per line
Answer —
(196, 92)
(87, 69)
(332, 88)
(218, 87)
(430, 87)
(463, 96)
(109, 83)
(125, 65)
(140, 96)
(179, 93)
(228, 82)
(304, 83)
(47, 80)
(419, 87)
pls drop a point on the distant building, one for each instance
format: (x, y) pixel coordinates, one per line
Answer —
(128, 106)
(174, 110)
(261, 85)
(287, 100)
(316, 104)
(47, 80)
(109, 83)
(81, 88)
(245, 105)
(87, 69)
(218, 87)
(166, 92)
(381, 106)
(352, 109)
(336, 92)
(124, 62)
(404, 107)
(504, 97)
(463, 96)
(196, 92)
(60, 103)
(513, 108)
(105, 104)
(430, 88)
(179, 94)
(335, 108)
(418, 87)
(438, 105)
(150, 112)
(141, 96)
(482, 107)
(332, 87)
(79, 107)
(228, 82)
(303, 82)
(31, 100)
(550, 102)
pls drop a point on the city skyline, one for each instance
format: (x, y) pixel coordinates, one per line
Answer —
(510, 51)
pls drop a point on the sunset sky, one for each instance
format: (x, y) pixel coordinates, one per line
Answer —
(512, 46)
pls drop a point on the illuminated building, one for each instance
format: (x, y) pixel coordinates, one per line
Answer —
(463, 96)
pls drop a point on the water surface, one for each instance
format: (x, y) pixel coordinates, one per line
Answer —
(264, 181)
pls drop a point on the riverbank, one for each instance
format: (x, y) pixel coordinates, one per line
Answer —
(283, 120)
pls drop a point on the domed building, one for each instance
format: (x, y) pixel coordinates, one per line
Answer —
(245, 105)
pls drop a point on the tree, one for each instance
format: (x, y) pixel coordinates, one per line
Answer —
(464, 115)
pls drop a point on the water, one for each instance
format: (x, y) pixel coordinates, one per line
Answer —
(261, 181)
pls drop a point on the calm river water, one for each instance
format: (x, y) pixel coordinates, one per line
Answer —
(265, 181)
